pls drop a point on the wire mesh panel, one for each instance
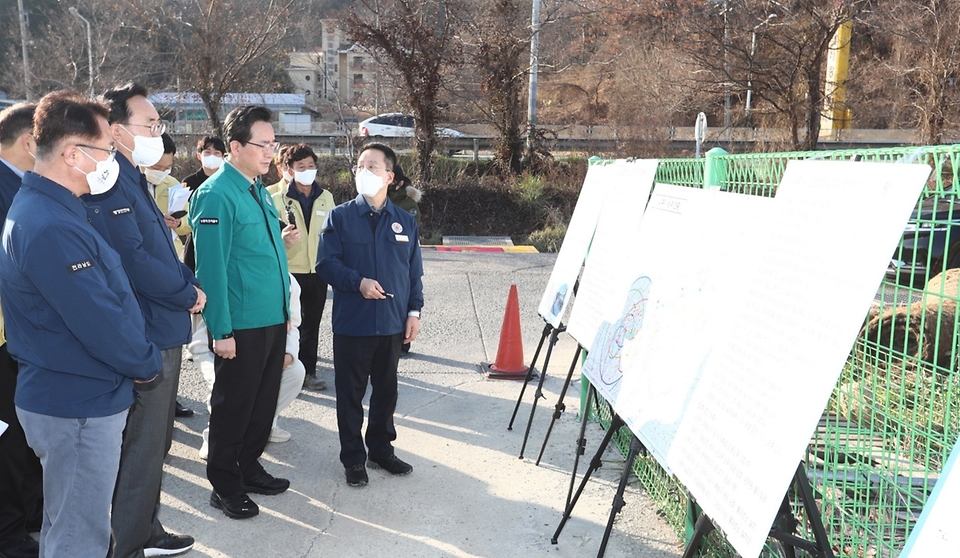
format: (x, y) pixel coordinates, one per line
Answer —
(894, 414)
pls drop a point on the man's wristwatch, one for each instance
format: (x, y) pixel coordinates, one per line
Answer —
(226, 336)
(413, 314)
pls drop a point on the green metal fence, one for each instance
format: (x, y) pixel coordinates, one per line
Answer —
(894, 415)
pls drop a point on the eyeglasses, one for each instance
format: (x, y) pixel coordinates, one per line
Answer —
(157, 128)
(372, 168)
(272, 147)
(112, 151)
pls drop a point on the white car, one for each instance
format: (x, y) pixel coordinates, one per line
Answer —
(397, 125)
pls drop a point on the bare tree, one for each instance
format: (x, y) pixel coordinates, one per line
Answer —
(222, 46)
(499, 40)
(782, 62)
(925, 59)
(415, 40)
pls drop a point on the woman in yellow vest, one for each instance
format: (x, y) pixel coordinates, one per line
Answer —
(159, 183)
(304, 204)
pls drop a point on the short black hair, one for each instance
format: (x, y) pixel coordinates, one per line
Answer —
(168, 144)
(64, 114)
(237, 124)
(117, 99)
(206, 142)
(298, 152)
(400, 180)
(15, 121)
(388, 153)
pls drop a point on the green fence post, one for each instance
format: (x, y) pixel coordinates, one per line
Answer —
(715, 169)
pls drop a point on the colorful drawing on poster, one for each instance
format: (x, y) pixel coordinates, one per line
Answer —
(604, 361)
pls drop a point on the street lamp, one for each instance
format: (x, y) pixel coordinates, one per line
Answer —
(89, 46)
(753, 50)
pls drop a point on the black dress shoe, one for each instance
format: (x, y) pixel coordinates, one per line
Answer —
(239, 506)
(266, 484)
(26, 548)
(391, 464)
(356, 475)
(183, 412)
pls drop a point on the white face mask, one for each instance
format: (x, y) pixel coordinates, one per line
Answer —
(147, 150)
(102, 179)
(368, 184)
(211, 161)
(305, 177)
(288, 176)
(155, 176)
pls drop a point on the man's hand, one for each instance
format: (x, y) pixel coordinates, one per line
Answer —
(287, 360)
(171, 222)
(371, 289)
(201, 301)
(290, 235)
(225, 348)
(413, 328)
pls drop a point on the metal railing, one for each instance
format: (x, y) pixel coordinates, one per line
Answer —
(894, 414)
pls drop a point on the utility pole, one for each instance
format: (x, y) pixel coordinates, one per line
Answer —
(534, 69)
(23, 44)
(89, 47)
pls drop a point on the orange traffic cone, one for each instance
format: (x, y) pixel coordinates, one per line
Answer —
(509, 365)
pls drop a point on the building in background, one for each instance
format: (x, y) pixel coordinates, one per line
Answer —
(340, 72)
(189, 114)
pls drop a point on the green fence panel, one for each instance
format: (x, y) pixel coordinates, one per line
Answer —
(894, 414)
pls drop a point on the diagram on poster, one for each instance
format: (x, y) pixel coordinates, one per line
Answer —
(753, 306)
(604, 362)
(601, 179)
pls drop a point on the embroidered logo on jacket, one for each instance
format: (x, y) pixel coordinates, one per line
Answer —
(121, 211)
(209, 221)
(79, 266)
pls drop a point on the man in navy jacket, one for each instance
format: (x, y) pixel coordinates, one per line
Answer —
(130, 221)
(74, 326)
(370, 254)
(21, 477)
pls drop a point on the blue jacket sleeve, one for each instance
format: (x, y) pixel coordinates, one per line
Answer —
(153, 279)
(330, 264)
(88, 307)
(416, 275)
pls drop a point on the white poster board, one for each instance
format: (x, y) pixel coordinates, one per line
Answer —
(749, 310)
(936, 533)
(601, 178)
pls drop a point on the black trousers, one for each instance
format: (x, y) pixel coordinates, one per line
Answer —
(242, 404)
(313, 297)
(355, 361)
(21, 476)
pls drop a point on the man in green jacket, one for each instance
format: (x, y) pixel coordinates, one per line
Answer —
(242, 265)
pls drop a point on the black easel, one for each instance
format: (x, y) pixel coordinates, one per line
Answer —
(784, 526)
(560, 406)
(635, 448)
(554, 332)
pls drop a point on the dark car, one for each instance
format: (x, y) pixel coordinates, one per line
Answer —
(930, 243)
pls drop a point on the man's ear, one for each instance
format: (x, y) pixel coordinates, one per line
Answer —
(115, 131)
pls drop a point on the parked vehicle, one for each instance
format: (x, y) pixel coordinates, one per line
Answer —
(397, 125)
(930, 243)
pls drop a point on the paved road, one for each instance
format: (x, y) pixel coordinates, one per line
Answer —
(469, 494)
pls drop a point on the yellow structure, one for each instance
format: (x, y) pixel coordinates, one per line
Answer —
(836, 116)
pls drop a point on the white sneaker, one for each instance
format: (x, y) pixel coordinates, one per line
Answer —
(205, 447)
(279, 435)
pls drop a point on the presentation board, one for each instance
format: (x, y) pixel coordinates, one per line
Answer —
(601, 179)
(935, 533)
(734, 316)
